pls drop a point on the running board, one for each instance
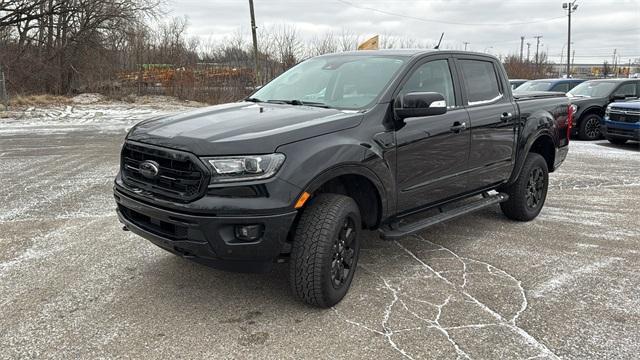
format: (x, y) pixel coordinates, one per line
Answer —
(394, 233)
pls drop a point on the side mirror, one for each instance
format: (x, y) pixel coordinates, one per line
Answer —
(618, 97)
(418, 104)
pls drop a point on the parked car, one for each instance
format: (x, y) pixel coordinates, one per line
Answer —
(337, 144)
(622, 122)
(516, 82)
(591, 98)
(559, 85)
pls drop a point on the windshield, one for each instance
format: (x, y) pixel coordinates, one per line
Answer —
(535, 86)
(344, 82)
(593, 89)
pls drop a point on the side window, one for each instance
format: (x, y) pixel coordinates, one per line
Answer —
(564, 87)
(433, 76)
(481, 81)
(628, 90)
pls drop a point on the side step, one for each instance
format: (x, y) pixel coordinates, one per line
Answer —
(394, 233)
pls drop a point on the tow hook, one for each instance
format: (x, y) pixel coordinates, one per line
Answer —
(125, 228)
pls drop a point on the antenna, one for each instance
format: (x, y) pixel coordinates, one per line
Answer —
(439, 42)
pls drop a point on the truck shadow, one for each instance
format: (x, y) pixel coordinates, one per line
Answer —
(629, 145)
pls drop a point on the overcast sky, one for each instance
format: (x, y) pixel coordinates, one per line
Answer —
(599, 26)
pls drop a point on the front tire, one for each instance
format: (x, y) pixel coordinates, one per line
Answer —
(325, 250)
(528, 193)
(590, 127)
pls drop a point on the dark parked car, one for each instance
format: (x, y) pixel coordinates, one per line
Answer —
(590, 100)
(559, 85)
(337, 144)
(622, 122)
(516, 82)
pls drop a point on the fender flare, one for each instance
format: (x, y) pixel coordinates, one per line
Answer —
(587, 110)
(520, 157)
(352, 169)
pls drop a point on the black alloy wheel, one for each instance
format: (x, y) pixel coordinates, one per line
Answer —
(343, 253)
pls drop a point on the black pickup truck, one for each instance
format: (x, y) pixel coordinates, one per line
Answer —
(338, 144)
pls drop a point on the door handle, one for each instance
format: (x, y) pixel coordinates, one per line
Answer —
(506, 116)
(458, 127)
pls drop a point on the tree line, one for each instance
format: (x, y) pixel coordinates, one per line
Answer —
(120, 47)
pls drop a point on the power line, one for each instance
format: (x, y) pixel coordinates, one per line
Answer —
(443, 21)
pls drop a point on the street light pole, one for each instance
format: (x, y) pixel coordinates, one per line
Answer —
(255, 43)
(570, 7)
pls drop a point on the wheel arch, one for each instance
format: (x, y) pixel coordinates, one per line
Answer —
(542, 143)
(594, 109)
(357, 182)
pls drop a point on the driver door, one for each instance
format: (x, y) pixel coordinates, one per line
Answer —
(432, 151)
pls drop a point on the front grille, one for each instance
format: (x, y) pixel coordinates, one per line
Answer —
(181, 175)
(624, 116)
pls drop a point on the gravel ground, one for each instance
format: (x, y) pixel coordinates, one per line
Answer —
(73, 285)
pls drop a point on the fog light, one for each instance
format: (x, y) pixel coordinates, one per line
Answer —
(249, 232)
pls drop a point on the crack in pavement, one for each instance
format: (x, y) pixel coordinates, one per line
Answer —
(402, 301)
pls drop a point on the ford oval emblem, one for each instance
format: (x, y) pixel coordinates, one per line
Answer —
(149, 169)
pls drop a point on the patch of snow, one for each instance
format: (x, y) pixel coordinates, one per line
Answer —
(566, 278)
(88, 98)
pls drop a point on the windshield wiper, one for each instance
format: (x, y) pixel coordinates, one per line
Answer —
(251, 99)
(299, 102)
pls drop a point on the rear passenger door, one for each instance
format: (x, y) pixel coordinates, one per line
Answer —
(492, 121)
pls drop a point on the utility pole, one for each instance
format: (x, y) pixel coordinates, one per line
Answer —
(615, 62)
(528, 50)
(537, 66)
(465, 45)
(570, 7)
(521, 47)
(537, 48)
(255, 43)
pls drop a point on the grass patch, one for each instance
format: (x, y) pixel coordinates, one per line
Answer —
(38, 100)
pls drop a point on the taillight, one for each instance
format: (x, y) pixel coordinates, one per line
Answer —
(570, 111)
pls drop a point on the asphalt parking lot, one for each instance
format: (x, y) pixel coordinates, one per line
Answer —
(73, 285)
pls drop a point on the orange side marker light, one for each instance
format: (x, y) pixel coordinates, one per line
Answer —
(302, 199)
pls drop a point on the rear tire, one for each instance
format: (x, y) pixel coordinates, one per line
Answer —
(528, 193)
(325, 250)
(617, 141)
(589, 128)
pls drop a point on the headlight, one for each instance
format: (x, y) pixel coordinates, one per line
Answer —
(243, 168)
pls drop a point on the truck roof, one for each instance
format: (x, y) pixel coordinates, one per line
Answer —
(405, 52)
(612, 80)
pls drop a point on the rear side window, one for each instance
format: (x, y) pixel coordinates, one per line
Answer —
(628, 90)
(481, 81)
(563, 87)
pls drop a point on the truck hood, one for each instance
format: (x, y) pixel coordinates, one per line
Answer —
(629, 105)
(241, 128)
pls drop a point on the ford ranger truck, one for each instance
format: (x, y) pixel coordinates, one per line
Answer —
(336, 145)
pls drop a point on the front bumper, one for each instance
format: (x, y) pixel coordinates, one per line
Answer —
(620, 130)
(209, 240)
